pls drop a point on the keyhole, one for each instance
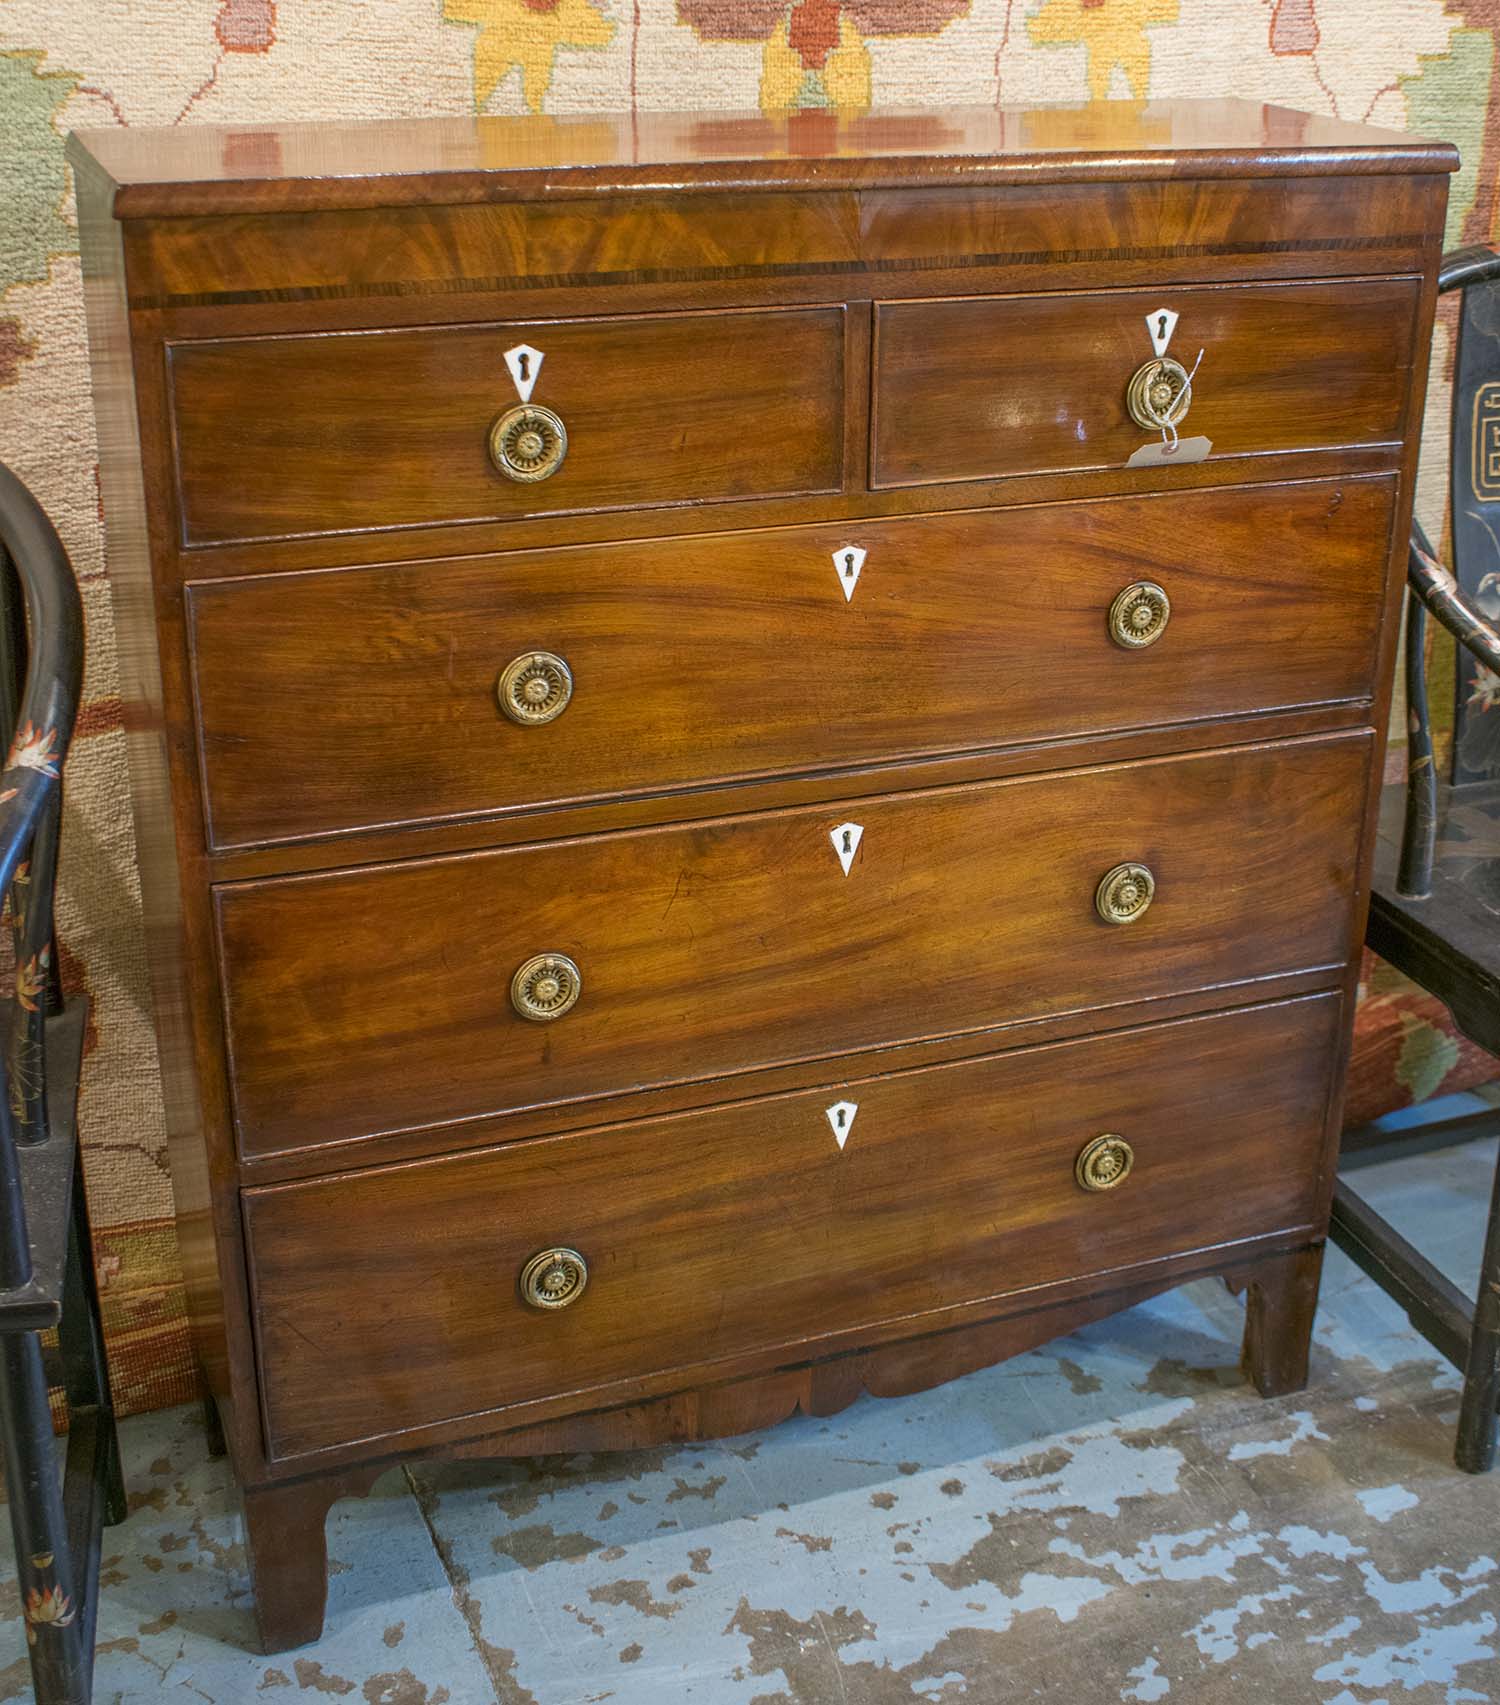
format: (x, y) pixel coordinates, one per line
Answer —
(1161, 331)
(848, 848)
(849, 563)
(842, 1116)
(523, 361)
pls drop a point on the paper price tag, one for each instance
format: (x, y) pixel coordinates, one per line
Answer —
(1163, 455)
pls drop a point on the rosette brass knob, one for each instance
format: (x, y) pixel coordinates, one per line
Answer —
(1159, 394)
(1104, 1163)
(528, 443)
(1124, 893)
(554, 1278)
(1139, 615)
(534, 688)
(545, 987)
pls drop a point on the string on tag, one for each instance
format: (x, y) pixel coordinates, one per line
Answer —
(1184, 397)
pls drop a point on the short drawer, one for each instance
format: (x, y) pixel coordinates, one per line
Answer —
(982, 387)
(353, 431)
(392, 1299)
(397, 693)
(385, 997)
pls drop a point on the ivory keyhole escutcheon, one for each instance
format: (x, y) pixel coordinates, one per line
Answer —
(1161, 323)
(525, 366)
(846, 839)
(848, 562)
(841, 1120)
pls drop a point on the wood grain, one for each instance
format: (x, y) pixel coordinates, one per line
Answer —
(286, 1550)
(263, 168)
(388, 1299)
(392, 428)
(179, 566)
(982, 387)
(697, 661)
(1188, 230)
(206, 1214)
(379, 998)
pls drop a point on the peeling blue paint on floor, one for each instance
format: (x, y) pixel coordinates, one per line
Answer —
(1114, 1518)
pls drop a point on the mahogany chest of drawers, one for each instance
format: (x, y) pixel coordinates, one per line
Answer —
(752, 741)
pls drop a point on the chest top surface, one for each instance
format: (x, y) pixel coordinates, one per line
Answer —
(284, 167)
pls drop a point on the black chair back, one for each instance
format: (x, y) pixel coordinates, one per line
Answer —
(41, 642)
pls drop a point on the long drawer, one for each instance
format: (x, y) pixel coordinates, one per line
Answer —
(390, 691)
(394, 1298)
(984, 386)
(410, 994)
(356, 431)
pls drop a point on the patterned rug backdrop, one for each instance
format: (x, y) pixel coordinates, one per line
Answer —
(1417, 64)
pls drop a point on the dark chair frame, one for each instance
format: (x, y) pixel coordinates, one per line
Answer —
(46, 1253)
(1439, 946)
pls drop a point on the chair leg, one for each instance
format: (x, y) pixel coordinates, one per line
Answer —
(80, 1338)
(54, 1619)
(213, 1427)
(1281, 1301)
(1475, 1449)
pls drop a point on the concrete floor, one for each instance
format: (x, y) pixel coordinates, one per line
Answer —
(1115, 1518)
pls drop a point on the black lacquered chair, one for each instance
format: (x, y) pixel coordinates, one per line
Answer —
(1435, 908)
(46, 1253)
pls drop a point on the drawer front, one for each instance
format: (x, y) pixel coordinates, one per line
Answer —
(390, 1299)
(980, 387)
(694, 660)
(381, 998)
(280, 436)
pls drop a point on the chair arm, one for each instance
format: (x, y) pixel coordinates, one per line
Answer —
(1473, 265)
(1446, 600)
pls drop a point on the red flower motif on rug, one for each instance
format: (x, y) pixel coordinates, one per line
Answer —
(246, 26)
(816, 52)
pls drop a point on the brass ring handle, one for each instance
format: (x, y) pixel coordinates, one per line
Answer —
(1139, 615)
(545, 987)
(1159, 394)
(534, 688)
(528, 443)
(1124, 893)
(554, 1278)
(1104, 1163)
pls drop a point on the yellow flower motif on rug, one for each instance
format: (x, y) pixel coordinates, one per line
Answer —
(1114, 33)
(526, 34)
